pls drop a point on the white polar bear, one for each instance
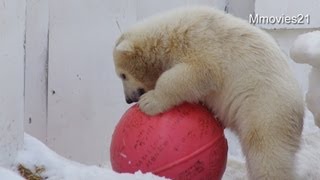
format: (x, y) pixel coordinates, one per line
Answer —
(200, 54)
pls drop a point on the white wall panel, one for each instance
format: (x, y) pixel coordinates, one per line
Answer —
(12, 32)
(241, 8)
(35, 120)
(85, 98)
(147, 8)
(289, 8)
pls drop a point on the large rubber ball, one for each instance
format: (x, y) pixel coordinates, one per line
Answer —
(186, 142)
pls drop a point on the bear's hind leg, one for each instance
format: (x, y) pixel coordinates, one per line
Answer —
(270, 154)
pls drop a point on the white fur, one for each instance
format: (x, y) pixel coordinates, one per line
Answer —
(125, 46)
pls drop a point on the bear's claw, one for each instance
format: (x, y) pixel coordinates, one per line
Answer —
(151, 104)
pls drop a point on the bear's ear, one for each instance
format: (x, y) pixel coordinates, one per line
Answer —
(125, 46)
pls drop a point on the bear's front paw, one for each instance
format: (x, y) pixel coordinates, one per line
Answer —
(151, 104)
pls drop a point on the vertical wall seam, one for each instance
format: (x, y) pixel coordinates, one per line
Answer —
(47, 74)
(226, 7)
(254, 8)
(25, 59)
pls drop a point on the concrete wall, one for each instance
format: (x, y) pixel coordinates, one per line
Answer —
(37, 23)
(85, 98)
(290, 8)
(241, 8)
(12, 35)
(147, 8)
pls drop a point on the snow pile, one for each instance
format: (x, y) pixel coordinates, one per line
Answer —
(9, 175)
(306, 50)
(59, 168)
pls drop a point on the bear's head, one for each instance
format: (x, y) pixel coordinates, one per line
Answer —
(137, 65)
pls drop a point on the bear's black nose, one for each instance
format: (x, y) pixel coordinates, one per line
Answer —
(129, 101)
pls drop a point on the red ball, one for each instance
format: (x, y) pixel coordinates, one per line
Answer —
(186, 142)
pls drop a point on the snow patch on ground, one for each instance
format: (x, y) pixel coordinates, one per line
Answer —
(60, 168)
(9, 175)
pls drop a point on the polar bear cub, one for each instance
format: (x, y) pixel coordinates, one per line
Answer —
(200, 54)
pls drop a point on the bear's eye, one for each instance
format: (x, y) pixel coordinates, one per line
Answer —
(123, 76)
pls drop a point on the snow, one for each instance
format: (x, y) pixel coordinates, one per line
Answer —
(35, 153)
(306, 49)
(60, 168)
(7, 174)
